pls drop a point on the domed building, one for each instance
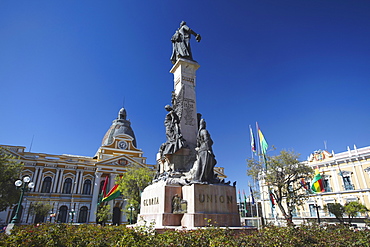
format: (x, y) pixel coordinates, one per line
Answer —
(71, 183)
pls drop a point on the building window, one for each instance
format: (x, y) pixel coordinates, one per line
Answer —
(62, 216)
(87, 187)
(312, 210)
(347, 183)
(67, 186)
(82, 216)
(294, 212)
(101, 185)
(327, 185)
(46, 185)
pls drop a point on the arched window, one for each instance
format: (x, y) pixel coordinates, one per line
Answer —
(46, 185)
(39, 218)
(82, 216)
(101, 185)
(116, 219)
(87, 187)
(62, 216)
(67, 186)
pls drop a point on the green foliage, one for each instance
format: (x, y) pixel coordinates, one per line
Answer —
(337, 209)
(354, 208)
(91, 235)
(132, 184)
(283, 175)
(104, 214)
(10, 169)
(40, 208)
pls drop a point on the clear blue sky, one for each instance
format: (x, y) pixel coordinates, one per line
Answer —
(300, 68)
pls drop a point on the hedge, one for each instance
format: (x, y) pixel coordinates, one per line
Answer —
(92, 235)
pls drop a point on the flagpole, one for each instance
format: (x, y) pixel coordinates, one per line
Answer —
(265, 161)
(240, 204)
(251, 200)
(261, 184)
(257, 208)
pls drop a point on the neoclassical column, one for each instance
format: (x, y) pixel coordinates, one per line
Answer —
(77, 181)
(35, 174)
(55, 180)
(95, 196)
(39, 179)
(60, 181)
(80, 182)
(356, 177)
(112, 180)
(335, 175)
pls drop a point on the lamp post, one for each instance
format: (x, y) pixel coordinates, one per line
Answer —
(131, 208)
(24, 186)
(72, 212)
(71, 215)
(317, 212)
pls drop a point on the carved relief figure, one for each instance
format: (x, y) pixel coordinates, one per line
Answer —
(176, 204)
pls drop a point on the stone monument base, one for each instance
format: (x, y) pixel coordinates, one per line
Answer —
(207, 204)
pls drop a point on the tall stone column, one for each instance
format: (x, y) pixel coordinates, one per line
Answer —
(184, 101)
(39, 180)
(55, 180)
(95, 196)
(60, 182)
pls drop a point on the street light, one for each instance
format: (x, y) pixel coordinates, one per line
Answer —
(131, 208)
(317, 212)
(24, 186)
(72, 214)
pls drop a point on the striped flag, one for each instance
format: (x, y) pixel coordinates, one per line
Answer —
(103, 191)
(245, 202)
(317, 184)
(253, 141)
(272, 198)
(112, 194)
(304, 184)
(263, 142)
(250, 188)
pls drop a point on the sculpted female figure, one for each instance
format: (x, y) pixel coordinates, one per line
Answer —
(206, 161)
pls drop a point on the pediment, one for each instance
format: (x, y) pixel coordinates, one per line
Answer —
(120, 160)
(319, 155)
(120, 144)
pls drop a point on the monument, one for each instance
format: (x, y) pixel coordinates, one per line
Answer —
(186, 191)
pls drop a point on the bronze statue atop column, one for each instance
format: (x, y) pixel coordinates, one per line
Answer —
(181, 43)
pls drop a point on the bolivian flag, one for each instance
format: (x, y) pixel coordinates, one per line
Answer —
(317, 185)
(112, 194)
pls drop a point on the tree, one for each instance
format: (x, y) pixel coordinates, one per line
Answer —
(282, 177)
(337, 209)
(352, 209)
(131, 184)
(40, 210)
(10, 169)
(103, 214)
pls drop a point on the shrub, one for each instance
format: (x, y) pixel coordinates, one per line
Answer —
(93, 235)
